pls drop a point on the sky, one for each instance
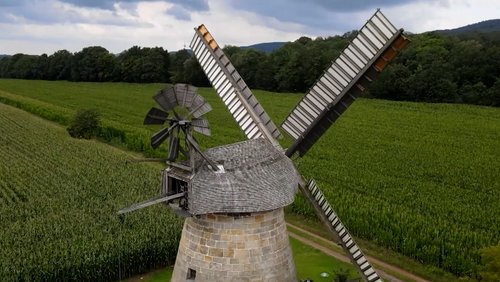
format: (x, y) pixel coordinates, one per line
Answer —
(45, 26)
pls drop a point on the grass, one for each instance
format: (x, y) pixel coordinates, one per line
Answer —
(310, 263)
(418, 179)
(162, 275)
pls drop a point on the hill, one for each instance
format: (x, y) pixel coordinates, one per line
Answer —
(480, 27)
(413, 177)
(487, 26)
(266, 47)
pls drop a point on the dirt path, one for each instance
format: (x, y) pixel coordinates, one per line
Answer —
(340, 256)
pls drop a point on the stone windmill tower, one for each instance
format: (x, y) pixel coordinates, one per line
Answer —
(234, 195)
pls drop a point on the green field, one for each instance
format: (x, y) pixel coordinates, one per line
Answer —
(58, 202)
(420, 179)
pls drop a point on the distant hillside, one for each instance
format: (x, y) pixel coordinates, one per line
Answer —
(3, 55)
(267, 47)
(481, 27)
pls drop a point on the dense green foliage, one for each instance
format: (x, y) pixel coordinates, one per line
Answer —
(420, 179)
(85, 124)
(438, 68)
(58, 202)
(93, 63)
(435, 67)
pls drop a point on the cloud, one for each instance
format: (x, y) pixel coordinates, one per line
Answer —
(27, 11)
(179, 13)
(89, 11)
(320, 16)
(53, 12)
(194, 5)
(197, 5)
(45, 26)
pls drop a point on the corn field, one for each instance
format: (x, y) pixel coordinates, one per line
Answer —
(58, 202)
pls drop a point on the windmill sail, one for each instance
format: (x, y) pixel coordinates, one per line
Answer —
(330, 218)
(233, 91)
(376, 43)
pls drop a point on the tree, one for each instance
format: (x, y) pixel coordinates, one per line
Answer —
(264, 77)
(304, 40)
(193, 74)
(154, 64)
(230, 50)
(177, 61)
(92, 64)
(4, 66)
(291, 62)
(24, 66)
(127, 65)
(392, 83)
(430, 85)
(493, 98)
(248, 62)
(142, 65)
(59, 65)
(474, 93)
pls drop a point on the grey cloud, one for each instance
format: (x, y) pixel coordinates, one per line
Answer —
(105, 4)
(47, 12)
(356, 5)
(317, 14)
(12, 3)
(34, 12)
(179, 13)
(199, 5)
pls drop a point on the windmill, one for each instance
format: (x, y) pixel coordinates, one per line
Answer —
(375, 45)
(233, 195)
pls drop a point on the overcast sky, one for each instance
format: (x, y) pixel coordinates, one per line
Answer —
(45, 26)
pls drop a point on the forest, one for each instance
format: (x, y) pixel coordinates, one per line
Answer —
(435, 67)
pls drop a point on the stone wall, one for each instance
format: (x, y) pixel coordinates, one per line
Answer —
(235, 247)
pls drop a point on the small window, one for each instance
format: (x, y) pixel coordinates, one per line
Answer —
(176, 186)
(191, 275)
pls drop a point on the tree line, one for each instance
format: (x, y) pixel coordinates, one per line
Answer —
(91, 64)
(434, 68)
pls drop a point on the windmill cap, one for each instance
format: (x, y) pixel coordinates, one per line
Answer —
(257, 177)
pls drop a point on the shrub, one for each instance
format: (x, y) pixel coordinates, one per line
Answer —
(85, 124)
(342, 275)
